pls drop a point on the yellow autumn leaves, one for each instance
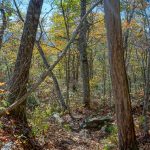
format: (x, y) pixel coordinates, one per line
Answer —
(1, 90)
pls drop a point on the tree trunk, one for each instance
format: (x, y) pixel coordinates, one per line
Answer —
(83, 56)
(18, 83)
(4, 24)
(126, 132)
(68, 57)
(91, 60)
(74, 82)
(56, 84)
(147, 97)
(146, 76)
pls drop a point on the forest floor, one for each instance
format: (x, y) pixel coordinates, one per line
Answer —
(64, 132)
(69, 136)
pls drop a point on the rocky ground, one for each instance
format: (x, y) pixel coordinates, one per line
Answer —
(67, 133)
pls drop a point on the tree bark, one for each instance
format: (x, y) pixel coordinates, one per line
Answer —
(147, 97)
(56, 84)
(83, 56)
(4, 24)
(68, 56)
(18, 83)
(74, 88)
(146, 76)
(126, 132)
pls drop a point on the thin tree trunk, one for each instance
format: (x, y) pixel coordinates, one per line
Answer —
(104, 76)
(77, 67)
(51, 74)
(147, 97)
(74, 85)
(4, 23)
(65, 17)
(127, 32)
(91, 59)
(126, 132)
(83, 56)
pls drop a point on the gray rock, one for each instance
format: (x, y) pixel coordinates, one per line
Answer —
(84, 133)
(96, 122)
(58, 118)
(7, 146)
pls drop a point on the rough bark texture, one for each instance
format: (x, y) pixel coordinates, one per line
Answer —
(146, 77)
(83, 56)
(147, 97)
(18, 83)
(4, 24)
(127, 140)
(74, 71)
(68, 56)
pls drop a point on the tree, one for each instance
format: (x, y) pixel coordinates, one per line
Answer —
(147, 71)
(56, 84)
(66, 22)
(4, 22)
(19, 81)
(83, 56)
(126, 132)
